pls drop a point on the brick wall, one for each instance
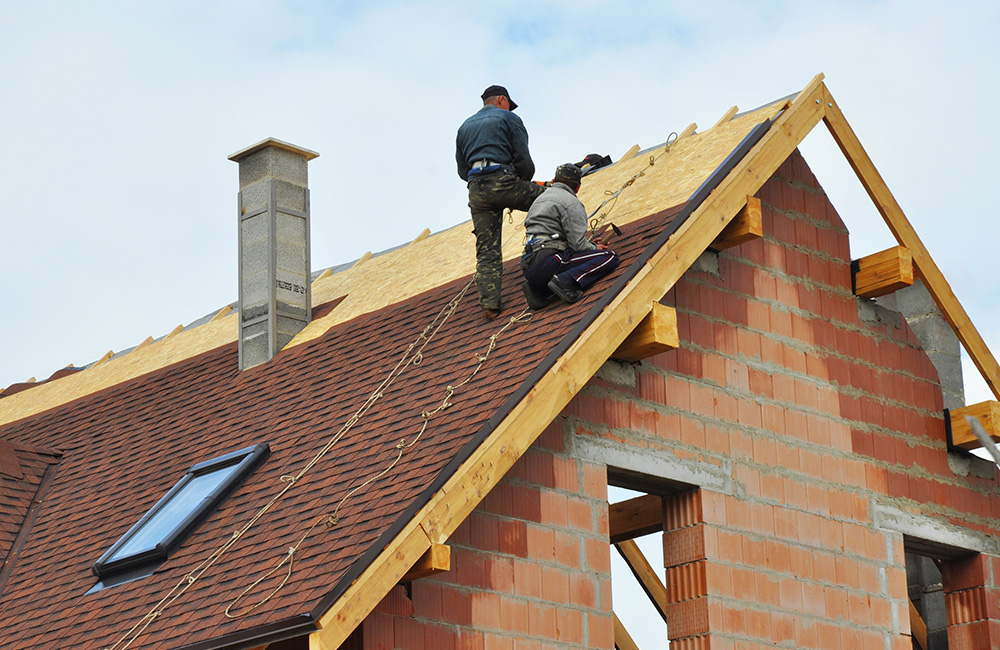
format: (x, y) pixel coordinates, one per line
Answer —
(814, 411)
(809, 409)
(530, 567)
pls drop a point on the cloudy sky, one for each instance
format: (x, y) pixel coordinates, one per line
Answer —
(119, 203)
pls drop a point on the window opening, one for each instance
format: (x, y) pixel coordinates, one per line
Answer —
(632, 604)
(174, 517)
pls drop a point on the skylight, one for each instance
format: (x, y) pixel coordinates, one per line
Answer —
(199, 492)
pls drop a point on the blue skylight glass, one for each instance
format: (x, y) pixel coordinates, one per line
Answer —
(151, 540)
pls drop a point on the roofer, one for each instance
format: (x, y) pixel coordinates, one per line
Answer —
(559, 260)
(492, 155)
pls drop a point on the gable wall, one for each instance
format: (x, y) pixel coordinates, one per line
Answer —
(797, 417)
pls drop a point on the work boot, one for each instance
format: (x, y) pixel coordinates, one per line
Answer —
(491, 314)
(565, 289)
(537, 298)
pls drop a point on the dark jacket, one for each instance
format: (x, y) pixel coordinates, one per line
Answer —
(496, 135)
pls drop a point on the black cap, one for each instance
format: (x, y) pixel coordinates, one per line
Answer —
(570, 173)
(496, 91)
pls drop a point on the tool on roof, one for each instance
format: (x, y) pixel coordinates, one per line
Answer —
(593, 162)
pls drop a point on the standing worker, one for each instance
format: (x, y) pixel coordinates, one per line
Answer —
(492, 155)
(559, 261)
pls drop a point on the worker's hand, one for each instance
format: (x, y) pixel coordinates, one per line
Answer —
(600, 245)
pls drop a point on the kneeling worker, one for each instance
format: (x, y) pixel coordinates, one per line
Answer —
(559, 261)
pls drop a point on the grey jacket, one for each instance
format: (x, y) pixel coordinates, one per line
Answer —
(557, 211)
(496, 135)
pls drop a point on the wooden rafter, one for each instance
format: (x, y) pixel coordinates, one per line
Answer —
(904, 233)
(988, 414)
(645, 574)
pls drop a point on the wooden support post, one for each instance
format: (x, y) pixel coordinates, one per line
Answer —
(656, 333)
(881, 273)
(623, 640)
(748, 224)
(635, 517)
(987, 412)
(645, 574)
(918, 628)
(435, 560)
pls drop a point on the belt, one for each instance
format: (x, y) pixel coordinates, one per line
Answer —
(480, 164)
(535, 235)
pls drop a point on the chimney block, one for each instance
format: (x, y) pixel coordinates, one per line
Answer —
(275, 292)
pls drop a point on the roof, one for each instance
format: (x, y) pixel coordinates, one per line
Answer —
(127, 428)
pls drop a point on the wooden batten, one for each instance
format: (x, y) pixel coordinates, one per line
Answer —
(987, 412)
(635, 517)
(745, 226)
(881, 273)
(436, 559)
(730, 114)
(656, 333)
(918, 628)
(630, 153)
(690, 129)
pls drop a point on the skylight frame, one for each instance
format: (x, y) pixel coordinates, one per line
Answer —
(242, 462)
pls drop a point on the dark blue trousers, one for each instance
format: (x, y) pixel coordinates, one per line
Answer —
(584, 267)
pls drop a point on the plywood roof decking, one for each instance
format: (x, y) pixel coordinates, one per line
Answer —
(417, 267)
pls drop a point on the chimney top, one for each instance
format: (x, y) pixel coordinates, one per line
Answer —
(272, 142)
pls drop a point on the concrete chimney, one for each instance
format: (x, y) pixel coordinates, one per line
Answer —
(275, 294)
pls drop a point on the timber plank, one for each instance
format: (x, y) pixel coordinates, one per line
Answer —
(436, 559)
(635, 517)
(623, 640)
(988, 414)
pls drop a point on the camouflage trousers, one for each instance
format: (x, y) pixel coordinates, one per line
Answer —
(488, 196)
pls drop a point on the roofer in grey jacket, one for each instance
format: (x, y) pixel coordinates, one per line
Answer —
(559, 261)
(491, 151)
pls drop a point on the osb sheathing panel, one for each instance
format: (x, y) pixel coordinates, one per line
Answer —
(420, 266)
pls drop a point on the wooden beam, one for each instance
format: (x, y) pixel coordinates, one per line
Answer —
(987, 412)
(635, 517)
(882, 273)
(656, 333)
(728, 116)
(688, 130)
(424, 234)
(645, 574)
(361, 260)
(513, 435)
(747, 225)
(324, 275)
(623, 640)
(630, 153)
(436, 559)
(918, 629)
(893, 215)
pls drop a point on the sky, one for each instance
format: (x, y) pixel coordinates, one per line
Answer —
(117, 119)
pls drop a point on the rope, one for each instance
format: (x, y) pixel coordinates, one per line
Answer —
(413, 355)
(613, 196)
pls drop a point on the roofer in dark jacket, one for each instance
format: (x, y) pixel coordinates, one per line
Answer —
(559, 261)
(492, 155)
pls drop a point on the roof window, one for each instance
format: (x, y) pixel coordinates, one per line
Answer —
(168, 523)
